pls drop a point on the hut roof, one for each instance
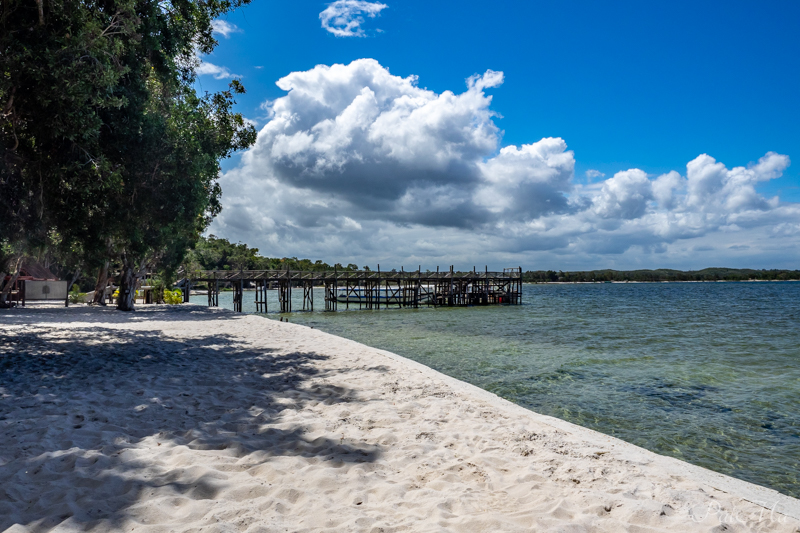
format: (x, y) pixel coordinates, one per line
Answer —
(35, 270)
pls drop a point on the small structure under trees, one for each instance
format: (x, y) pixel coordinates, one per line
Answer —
(31, 281)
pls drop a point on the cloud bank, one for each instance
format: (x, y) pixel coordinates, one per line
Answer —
(357, 164)
(344, 18)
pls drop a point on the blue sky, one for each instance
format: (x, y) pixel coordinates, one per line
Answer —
(634, 85)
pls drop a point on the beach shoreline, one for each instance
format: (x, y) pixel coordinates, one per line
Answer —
(186, 417)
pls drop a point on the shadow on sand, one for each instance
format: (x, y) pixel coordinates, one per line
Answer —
(92, 419)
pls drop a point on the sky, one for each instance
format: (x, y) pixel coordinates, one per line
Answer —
(565, 136)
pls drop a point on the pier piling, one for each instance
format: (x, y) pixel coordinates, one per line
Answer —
(369, 289)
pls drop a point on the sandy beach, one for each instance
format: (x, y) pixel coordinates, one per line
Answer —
(185, 418)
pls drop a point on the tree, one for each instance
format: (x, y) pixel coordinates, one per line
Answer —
(58, 69)
(213, 253)
(170, 176)
(104, 141)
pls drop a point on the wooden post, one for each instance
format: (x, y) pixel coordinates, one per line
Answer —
(436, 289)
(285, 289)
(450, 299)
(332, 291)
(486, 287)
(259, 297)
(308, 295)
(419, 287)
(256, 299)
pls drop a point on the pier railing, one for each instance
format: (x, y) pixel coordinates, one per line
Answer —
(367, 289)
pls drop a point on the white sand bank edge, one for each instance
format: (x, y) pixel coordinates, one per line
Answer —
(770, 499)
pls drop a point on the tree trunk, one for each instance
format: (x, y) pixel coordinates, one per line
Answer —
(127, 288)
(101, 285)
(7, 288)
(40, 5)
(74, 278)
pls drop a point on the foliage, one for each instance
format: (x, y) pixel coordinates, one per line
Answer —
(6, 256)
(58, 75)
(213, 253)
(163, 293)
(173, 297)
(707, 274)
(107, 150)
(76, 296)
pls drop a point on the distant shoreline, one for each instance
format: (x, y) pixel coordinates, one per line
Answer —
(665, 281)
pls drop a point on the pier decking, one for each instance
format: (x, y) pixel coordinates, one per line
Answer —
(366, 289)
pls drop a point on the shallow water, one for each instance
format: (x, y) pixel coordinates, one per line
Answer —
(705, 372)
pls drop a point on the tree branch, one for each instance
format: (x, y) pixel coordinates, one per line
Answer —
(40, 5)
(10, 284)
(10, 103)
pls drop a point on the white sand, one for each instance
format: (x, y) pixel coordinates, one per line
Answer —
(189, 419)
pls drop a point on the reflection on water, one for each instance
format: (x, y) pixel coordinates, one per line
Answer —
(705, 372)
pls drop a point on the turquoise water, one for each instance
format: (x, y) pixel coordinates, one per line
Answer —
(705, 372)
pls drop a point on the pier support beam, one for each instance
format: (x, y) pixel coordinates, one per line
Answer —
(308, 296)
(237, 295)
(285, 295)
(331, 293)
(261, 295)
(369, 289)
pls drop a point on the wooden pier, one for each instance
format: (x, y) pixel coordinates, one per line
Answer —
(365, 289)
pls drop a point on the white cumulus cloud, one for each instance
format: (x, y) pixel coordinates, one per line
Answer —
(527, 182)
(225, 28)
(361, 135)
(209, 69)
(344, 18)
(356, 164)
(624, 196)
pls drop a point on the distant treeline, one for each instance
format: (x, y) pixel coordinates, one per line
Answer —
(213, 253)
(662, 274)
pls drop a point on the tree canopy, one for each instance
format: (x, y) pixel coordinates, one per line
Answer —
(108, 152)
(213, 253)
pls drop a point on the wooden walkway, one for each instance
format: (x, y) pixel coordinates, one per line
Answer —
(365, 289)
